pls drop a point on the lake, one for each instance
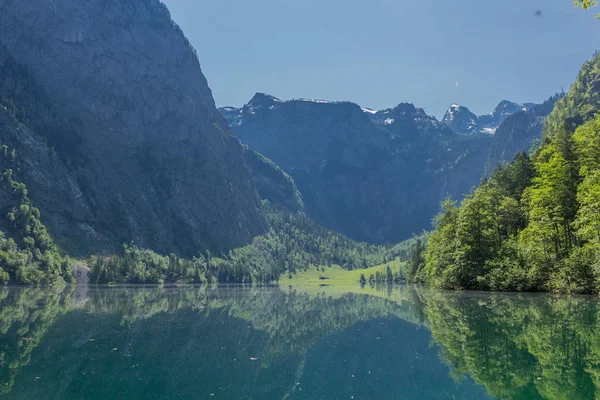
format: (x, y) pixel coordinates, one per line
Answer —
(404, 342)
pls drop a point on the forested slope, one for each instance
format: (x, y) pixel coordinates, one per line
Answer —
(293, 243)
(535, 224)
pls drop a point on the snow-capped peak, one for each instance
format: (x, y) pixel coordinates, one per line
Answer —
(318, 101)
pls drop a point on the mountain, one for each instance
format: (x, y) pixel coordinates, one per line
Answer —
(408, 123)
(272, 183)
(502, 111)
(115, 130)
(379, 176)
(376, 176)
(461, 120)
(464, 122)
(518, 132)
(327, 148)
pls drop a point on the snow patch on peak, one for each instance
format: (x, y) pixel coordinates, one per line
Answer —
(259, 101)
(229, 109)
(368, 110)
(318, 101)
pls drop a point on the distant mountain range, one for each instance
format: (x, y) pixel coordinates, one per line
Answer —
(464, 122)
(374, 175)
(109, 135)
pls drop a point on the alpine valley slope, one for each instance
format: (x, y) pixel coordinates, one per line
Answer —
(380, 176)
(116, 132)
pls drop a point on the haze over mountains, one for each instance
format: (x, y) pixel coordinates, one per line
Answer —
(463, 121)
(379, 176)
(109, 128)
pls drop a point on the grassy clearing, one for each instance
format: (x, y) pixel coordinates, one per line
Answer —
(335, 275)
(342, 282)
(396, 293)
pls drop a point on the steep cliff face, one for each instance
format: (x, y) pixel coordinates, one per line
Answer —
(378, 176)
(464, 122)
(134, 124)
(48, 181)
(461, 120)
(374, 176)
(272, 183)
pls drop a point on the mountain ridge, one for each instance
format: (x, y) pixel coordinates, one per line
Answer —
(154, 160)
(359, 170)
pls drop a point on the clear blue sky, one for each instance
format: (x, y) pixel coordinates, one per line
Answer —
(379, 53)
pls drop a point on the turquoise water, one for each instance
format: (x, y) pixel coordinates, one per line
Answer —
(266, 343)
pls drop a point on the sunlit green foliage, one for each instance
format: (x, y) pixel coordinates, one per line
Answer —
(519, 347)
(535, 225)
(416, 262)
(580, 104)
(25, 316)
(468, 237)
(293, 243)
(585, 4)
(28, 254)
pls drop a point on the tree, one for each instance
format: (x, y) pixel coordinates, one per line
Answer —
(416, 261)
(389, 276)
(441, 247)
(585, 4)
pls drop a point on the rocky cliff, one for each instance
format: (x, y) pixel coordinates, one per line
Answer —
(377, 176)
(113, 96)
(519, 132)
(273, 184)
(463, 121)
(374, 176)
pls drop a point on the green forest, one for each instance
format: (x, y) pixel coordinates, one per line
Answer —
(28, 255)
(293, 243)
(518, 346)
(534, 225)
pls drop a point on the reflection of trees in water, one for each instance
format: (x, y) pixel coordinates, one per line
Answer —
(25, 316)
(519, 346)
(293, 320)
(281, 326)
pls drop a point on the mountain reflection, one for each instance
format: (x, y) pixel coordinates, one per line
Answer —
(267, 343)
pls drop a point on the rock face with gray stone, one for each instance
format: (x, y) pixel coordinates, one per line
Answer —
(464, 122)
(377, 176)
(116, 92)
(374, 176)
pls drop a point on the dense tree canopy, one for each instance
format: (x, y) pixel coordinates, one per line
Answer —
(293, 243)
(28, 254)
(534, 225)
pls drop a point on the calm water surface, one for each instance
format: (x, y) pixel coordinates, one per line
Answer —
(266, 343)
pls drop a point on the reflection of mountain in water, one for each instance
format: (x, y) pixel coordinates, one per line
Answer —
(25, 315)
(267, 343)
(520, 346)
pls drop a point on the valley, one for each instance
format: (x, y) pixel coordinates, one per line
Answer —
(148, 182)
